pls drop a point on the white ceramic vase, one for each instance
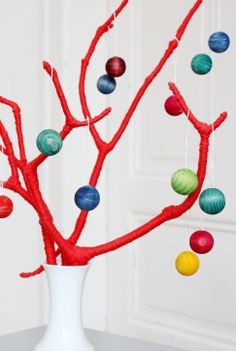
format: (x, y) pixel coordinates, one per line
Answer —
(65, 331)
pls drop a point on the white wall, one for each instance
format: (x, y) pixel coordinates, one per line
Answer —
(147, 298)
(138, 293)
(22, 80)
(55, 31)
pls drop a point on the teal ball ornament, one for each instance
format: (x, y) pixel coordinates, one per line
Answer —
(201, 64)
(49, 142)
(184, 181)
(212, 201)
(87, 198)
(219, 42)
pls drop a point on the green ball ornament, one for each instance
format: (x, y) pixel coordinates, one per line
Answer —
(49, 142)
(212, 201)
(184, 181)
(201, 64)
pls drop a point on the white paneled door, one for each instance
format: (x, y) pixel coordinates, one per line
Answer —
(147, 298)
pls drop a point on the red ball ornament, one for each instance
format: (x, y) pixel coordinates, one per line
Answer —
(6, 206)
(115, 66)
(201, 241)
(172, 106)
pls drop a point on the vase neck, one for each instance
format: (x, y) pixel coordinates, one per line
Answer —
(65, 289)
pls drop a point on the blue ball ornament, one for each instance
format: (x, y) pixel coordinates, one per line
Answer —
(212, 201)
(219, 42)
(87, 198)
(49, 142)
(106, 84)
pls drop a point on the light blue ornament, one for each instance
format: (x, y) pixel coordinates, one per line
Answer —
(219, 42)
(87, 198)
(212, 201)
(49, 142)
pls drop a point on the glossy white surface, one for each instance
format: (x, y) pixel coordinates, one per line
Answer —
(65, 331)
(26, 340)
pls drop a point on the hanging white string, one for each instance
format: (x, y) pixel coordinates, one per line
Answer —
(186, 143)
(50, 82)
(86, 163)
(115, 34)
(202, 42)
(203, 25)
(211, 112)
(219, 14)
(175, 67)
(203, 86)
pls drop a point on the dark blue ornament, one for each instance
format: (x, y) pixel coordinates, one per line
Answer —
(106, 84)
(212, 201)
(219, 42)
(87, 198)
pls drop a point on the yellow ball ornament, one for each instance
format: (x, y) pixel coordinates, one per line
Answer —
(187, 263)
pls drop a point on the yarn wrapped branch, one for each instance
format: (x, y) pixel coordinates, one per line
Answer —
(54, 242)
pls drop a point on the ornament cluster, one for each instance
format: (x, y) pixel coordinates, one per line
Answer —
(201, 64)
(211, 201)
(49, 142)
(115, 67)
(185, 181)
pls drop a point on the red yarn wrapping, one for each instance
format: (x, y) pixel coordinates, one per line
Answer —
(30, 190)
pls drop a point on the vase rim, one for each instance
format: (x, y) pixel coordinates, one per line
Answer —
(56, 266)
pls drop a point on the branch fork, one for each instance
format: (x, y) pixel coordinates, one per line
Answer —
(71, 253)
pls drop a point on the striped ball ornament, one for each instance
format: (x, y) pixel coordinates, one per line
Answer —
(187, 263)
(6, 206)
(87, 198)
(49, 142)
(219, 42)
(201, 64)
(184, 181)
(212, 201)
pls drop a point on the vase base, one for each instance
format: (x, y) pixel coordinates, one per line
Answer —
(51, 345)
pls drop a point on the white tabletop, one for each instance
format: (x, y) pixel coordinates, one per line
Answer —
(25, 341)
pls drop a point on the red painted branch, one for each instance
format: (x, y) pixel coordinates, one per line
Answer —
(17, 117)
(202, 127)
(81, 221)
(187, 19)
(70, 120)
(172, 46)
(169, 212)
(84, 65)
(49, 247)
(79, 255)
(10, 152)
(45, 217)
(3, 149)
